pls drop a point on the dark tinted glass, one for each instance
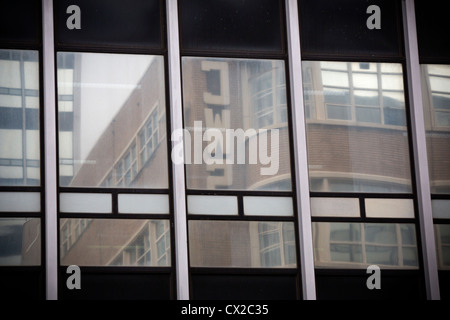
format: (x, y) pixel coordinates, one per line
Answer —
(133, 23)
(340, 28)
(432, 29)
(231, 25)
(20, 21)
(244, 287)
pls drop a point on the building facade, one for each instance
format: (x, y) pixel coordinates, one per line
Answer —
(193, 149)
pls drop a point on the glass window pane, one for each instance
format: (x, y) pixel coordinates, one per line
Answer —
(236, 138)
(135, 23)
(335, 207)
(357, 245)
(436, 103)
(85, 202)
(20, 241)
(20, 202)
(362, 152)
(389, 208)
(441, 209)
(231, 25)
(114, 242)
(116, 97)
(442, 233)
(242, 244)
(212, 205)
(144, 203)
(268, 206)
(19, 118)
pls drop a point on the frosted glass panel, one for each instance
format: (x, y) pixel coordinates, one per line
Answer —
(441, 209)
(20, 202)
(144, 203)
(85, 202)
(268, 206)
(214, 205)
(335, 207)
(20, 241)
(389, 208)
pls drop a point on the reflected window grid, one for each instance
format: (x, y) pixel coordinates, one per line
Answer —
(19, 118)
(357, 245)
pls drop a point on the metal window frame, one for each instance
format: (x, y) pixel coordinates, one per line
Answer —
(50, 155)
(300, 154)
(418, 138)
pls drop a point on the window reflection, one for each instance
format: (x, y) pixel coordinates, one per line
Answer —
(114, 242)
(19, 118)
(442, 233)
(112, 123)
(436, 102)
(20, 241)
(245, 98)
(357, 245)
(242, 244)
(356, 127)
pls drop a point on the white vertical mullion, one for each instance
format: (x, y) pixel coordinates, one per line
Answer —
(178, 171)
(51, 219)
(419, 150)
(300, 153)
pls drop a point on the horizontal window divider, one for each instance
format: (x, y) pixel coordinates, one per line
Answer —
(114, 191)
(234, 54)
(240, 193)
(21, 215)
(241, 218)
(349, 58)
(363, 272)
(361, 195)
(441, 221)
(364, 220)
(110, 49)
(124, 216)
(440, 197)
(243, 271)
(20, 189)
(120, 270)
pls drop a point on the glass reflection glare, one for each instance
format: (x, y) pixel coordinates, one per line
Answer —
(112, 122)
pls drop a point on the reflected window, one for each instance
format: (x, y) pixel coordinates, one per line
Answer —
(236, 124)
(242, 244)
(357, 245)
(20, 241)
(111, 116)
(114, 242)
(19, 118)
(357, 138)
(436, 102)
(442, 233)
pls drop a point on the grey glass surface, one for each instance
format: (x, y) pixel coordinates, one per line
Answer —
(20, 241)
(357, 137)
(242, 244)
(115, 242)
(19, 118)
(356, 245)
(112, 121)
(442, 233)
(436, 103)
(236, 124)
